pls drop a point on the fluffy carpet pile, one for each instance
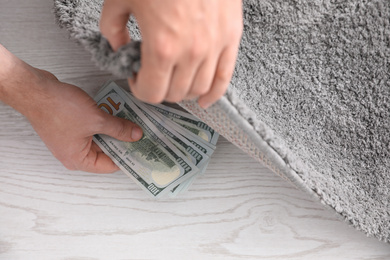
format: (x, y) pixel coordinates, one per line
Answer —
(310, 96)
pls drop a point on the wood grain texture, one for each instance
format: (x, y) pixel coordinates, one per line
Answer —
(237, 210)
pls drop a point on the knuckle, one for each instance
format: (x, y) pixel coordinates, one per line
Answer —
(112, 31)
(221, 91)
(213, 36)
(197, 51)
(164, 53)
(223, 74)
(236, 30)
(163, 48)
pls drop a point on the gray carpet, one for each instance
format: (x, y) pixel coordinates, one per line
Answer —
(310, 96)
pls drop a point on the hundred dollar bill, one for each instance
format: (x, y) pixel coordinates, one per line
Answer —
(185, 134)
(184, 186)
(188, 122)
(206, 147)
(194, 139)
(198, 157)
(153, 162)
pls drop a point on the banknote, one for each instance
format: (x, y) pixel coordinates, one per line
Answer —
(197, 156)
(188, 122)
(184, 186)
(195, 145)
(194, 139)
(153, 162)
(204, 146)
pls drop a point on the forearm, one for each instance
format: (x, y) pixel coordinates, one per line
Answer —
(19, 82)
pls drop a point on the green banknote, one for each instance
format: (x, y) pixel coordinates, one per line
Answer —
(183, 133)
(189, 122)
(197, 156)
(195, 150)
(153, 162)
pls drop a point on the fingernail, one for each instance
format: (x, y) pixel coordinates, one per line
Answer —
(136, 134)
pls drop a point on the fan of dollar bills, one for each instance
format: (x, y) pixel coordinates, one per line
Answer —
(174, 150)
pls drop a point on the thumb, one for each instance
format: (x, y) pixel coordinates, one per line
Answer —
(113, 23)
(121, 129)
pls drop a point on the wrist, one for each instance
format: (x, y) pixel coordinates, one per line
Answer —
(19, 82)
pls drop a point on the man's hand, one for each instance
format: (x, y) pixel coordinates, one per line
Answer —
(189, 47)
(63, 115)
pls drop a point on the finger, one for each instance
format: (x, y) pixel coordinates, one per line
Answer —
(185, 70)
(203, 78)
(119, 128)
(155, 74)
(98, 162)
(222, 76)
(182, 78)
(113, 23)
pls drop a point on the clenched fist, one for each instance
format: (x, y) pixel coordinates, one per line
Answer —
(189, 47)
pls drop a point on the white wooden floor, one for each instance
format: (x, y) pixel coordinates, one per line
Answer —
(238, 210)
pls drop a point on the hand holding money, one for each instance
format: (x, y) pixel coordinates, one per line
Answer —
(68, 125)
(170, 154)
(66, 119)
(63, 115)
